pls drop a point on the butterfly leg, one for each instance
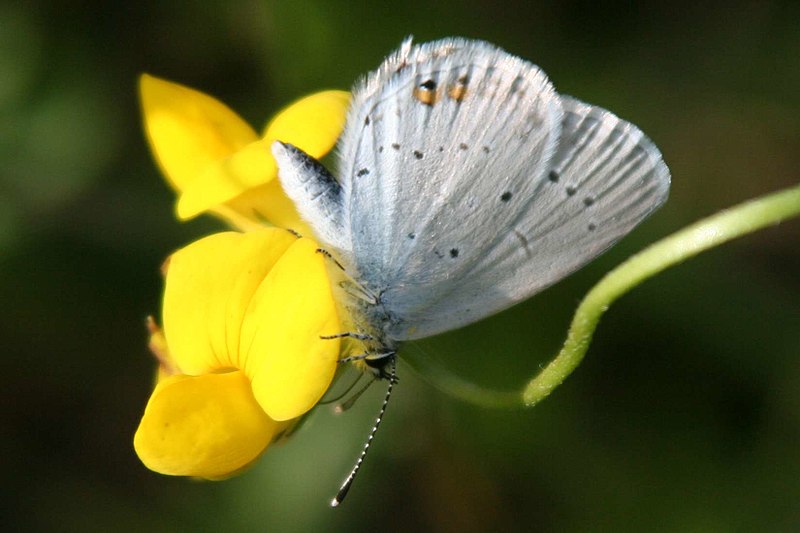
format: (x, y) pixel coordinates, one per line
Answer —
(357, 290)
(350, 285)
(367, 356)
(327, 254)
(349, 335)
(352, 358)
(378, 363)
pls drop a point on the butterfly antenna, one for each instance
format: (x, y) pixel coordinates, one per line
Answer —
(345, 488)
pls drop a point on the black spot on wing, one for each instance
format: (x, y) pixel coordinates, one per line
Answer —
(517, 84)
(428, 85)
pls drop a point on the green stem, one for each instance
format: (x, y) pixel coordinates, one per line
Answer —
(708, 233)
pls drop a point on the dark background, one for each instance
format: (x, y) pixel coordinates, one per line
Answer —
(685, 415)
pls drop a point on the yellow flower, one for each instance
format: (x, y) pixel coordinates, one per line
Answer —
(217, 163)
(240, 350)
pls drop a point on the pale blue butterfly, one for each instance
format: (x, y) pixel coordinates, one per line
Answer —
(465, 184)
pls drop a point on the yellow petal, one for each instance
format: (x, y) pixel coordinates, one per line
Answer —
(312, 123)
(264, 203)
(188, 131)
(250, 167)
(209, 286)
(288, 363)
(208, 426)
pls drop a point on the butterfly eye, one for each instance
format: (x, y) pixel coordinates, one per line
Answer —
(425, 92)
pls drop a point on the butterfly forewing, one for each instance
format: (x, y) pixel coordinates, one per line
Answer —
(440, 147)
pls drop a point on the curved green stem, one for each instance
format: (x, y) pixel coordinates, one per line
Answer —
(710, 232)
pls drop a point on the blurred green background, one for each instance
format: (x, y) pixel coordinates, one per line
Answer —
(685, 415)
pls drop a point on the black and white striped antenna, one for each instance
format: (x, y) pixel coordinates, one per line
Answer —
(345, 488)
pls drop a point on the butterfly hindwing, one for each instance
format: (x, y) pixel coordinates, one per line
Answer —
(604, 179)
